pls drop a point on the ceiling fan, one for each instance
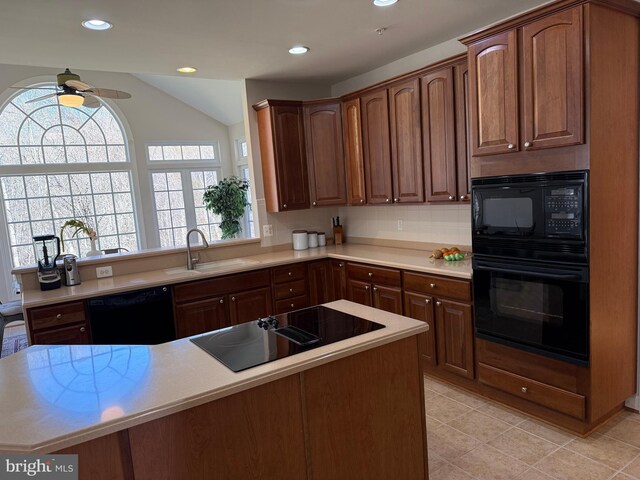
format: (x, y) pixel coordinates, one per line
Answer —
(72, 92)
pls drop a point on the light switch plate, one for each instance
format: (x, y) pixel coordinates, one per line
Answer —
(400, 225)
(102, 272)
(267, 231)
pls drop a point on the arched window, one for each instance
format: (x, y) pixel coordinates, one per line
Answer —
(59, 163)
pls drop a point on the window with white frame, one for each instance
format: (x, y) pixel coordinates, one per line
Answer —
(179, 176)
(59, 163)
(242, 161)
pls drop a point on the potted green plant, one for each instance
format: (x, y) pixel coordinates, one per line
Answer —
(228, 199)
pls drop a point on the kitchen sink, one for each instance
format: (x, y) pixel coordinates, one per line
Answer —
(209, 266)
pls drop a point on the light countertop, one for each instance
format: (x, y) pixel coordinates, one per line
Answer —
(414, 260)
(59, 396)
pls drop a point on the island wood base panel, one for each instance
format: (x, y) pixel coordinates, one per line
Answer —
(361, 416)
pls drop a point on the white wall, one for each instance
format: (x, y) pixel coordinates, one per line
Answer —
(151, 116)
(284, 222)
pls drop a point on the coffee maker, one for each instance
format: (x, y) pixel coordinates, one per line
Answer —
(47, 251)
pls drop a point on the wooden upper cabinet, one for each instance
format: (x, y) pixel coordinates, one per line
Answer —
(438, 135)
(552, 80)
(325, 156)
(376, 149)
(354, 157)
(282, 149)
(493, 98)
(463, 152)
(406, 149)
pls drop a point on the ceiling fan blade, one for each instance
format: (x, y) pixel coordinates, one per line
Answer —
(35, 88)
(77, 85)
(90, 101)
(41, 98)
(108, 93)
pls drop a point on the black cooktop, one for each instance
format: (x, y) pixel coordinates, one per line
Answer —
(253, 343)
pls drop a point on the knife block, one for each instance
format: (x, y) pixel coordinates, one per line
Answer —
(337, 235)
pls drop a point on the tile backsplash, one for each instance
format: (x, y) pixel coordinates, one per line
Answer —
(448, 224)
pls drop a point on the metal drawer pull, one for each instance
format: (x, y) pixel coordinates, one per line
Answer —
(432, 285)
(292, 305)
(510, 146)
(341, 265)
(427, 301)
(375, 289)
(527, 144)
(438, 303)
(451, 197)
(315, 203)
(59, 316)
(524, 389)
(370, 274)
(291, 290)
(82, 329)
(290, 274)
(366, 287)
(222, 300)
(233, 299)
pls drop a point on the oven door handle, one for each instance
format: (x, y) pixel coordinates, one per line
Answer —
(554, 276)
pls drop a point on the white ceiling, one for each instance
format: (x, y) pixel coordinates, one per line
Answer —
(237, 39)
(220, 99)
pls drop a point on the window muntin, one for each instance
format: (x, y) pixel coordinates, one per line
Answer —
(182, 153)
(78, 167)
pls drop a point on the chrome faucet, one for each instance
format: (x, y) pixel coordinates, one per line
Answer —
(191, 261)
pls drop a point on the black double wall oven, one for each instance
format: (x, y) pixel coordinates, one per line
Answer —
(530, 265)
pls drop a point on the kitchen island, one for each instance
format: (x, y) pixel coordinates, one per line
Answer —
(354, 408)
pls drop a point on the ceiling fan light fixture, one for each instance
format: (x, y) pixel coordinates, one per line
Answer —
(187, 69)
(71, 99)
(97, 24)
(298, 50)
(384, 3)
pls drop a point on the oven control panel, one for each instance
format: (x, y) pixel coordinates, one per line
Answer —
(563, 211)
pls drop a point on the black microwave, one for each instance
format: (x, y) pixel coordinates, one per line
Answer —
(537, 217)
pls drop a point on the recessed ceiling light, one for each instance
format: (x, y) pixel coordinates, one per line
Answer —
(97, 24)
(187, 69)
(384, 3)
(298, 50)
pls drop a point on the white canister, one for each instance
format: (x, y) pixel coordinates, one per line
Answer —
(300, 240)
(322, 239)
(313, 239)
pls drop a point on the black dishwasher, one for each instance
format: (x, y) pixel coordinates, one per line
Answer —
(142, 317)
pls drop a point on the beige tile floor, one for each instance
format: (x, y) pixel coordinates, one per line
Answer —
(471, 437)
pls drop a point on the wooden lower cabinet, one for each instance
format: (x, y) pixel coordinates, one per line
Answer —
(388, 299)
(251, 305)
(74, 334)
(454, 324)
(203, 316)
(359, 292)
(420, 307)
(339, 279)
(320, 282)
(302, 426)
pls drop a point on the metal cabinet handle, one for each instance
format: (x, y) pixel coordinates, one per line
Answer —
(83, 329)
(222, 300)
(427, 301)
(59, 316)
(314, 203)
(233, 299)
(290, 274)
(432, 285)
(510, 146)
(370, 274)
(292, 306)
(388, 200)
(375, 289)
(463, 197)
(284, 205)
(291, 290)
(524, 389)
(438, 303)
(396, 200)
(341, 264)
(366, 287)
(362, 200)
(527, 144)
(451, 197)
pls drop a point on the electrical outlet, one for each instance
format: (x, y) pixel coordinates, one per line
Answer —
(102, 272)
(400, 225)
(267, 230)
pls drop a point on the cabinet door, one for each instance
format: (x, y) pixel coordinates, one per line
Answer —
(320, 285)
(455, 337)
(354, 157)
(251, 305)
(420, 307)
(339, 279)
(77, 334)
(388, 299)
(438, 135)
(359, 292)
(463, 152)
(552, 82)
(375, 141)
(493, 96)
(203, 316)
(325, 158)
(291, 164)
(406, 149)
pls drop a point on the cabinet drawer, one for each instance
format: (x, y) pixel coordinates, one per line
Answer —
(438, 286)
(287, 273)
(56, 315)
(188, 292)
(378, 275)
(291, 304)
(541, 393)
(290, 289)
(74, 334)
